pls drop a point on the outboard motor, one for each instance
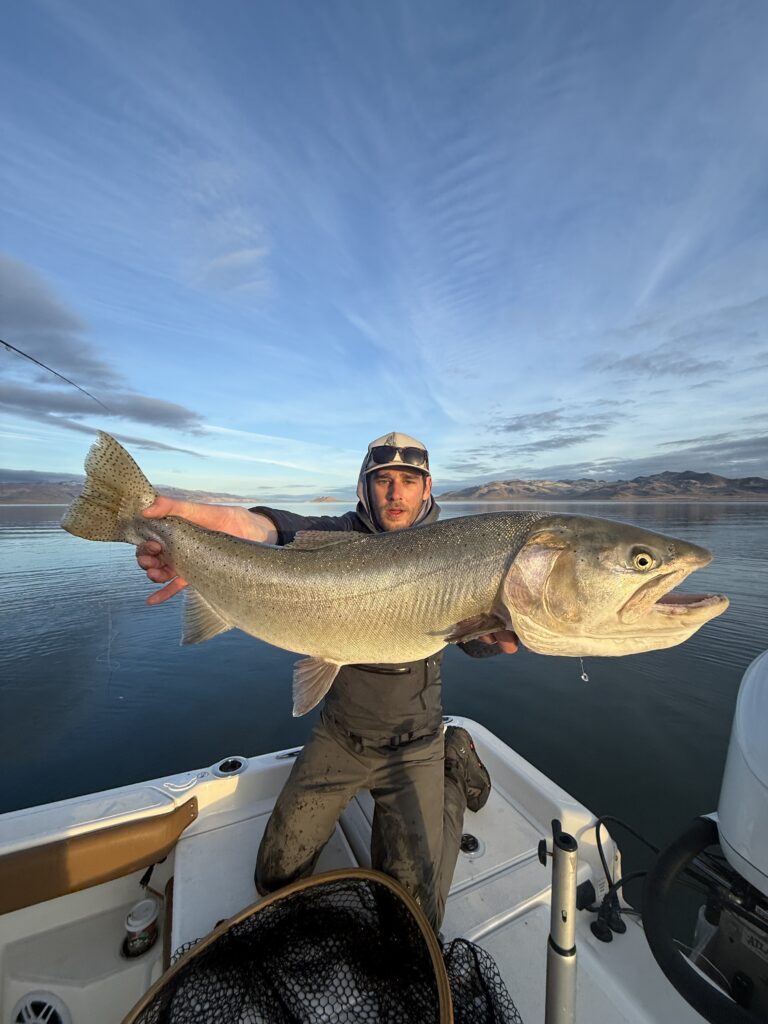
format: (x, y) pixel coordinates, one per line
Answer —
(742, 811)
(725, 976)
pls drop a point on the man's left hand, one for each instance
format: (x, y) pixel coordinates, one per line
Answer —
(505, 638)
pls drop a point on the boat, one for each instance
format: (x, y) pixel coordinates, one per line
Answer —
(82, 879)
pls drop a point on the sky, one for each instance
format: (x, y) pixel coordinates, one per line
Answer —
(533, 235)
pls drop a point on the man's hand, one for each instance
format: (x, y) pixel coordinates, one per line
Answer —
(505, 638)
(232, 519)
(151, 556)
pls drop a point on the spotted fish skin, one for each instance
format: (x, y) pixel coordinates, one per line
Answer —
(565, 584)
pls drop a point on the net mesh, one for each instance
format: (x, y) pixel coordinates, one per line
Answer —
(478, 992)
(339, 951)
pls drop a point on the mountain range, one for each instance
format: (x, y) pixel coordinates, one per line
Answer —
(27, 487)
(685, 486)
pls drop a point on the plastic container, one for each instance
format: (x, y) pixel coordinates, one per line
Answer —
(140, 928)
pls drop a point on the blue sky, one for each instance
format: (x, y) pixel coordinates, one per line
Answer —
(534, 235)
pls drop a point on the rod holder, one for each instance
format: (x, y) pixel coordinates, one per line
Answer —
(561, 944)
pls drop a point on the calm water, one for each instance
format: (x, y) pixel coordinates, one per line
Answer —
(96, 692)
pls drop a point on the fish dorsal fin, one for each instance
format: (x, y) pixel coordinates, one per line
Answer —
(312, 540)
(312, 678)
(470, 629)
(201, 620)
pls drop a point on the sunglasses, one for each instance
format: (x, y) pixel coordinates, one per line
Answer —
(384, 453)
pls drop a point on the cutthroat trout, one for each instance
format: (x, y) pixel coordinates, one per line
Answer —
(567, 585)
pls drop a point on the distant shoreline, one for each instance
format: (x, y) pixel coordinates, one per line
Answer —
(681, 500)
(35, 488)
(670, 499)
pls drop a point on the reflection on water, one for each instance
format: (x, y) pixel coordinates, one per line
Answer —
(97, 692)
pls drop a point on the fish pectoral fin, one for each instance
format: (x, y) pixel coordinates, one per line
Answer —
(527, 578)
(470, 629)
(312, 678)
(312, 540)
(201, 620)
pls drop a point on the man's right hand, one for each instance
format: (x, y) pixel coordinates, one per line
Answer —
(232, 519)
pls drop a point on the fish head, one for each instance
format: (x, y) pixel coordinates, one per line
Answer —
(584, 586)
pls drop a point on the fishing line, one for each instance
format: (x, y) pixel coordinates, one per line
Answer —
(111, 632)
(25, 355)
(584, 675)
(112, 666)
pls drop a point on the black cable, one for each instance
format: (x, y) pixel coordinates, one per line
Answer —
(614, 888)
(609, 913)
(610, 817)
(700, 878)
(608, 878)
(704, 887)
(618, 821)
(699, 882)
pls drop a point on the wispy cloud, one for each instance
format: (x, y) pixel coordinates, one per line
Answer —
(33, 318)
(664, 360)
(530, 421)
(50, 401)
(584, 419)
(238, 271)
(28, 304)
(727, 456)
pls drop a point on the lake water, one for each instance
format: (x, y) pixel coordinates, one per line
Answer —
(96, 692)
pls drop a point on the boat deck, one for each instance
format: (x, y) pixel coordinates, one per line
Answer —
(70, 946)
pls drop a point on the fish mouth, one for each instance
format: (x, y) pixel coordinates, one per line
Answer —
(659, 597)
(690, 604)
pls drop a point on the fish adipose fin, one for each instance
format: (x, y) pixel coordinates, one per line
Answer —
(312, 678)
(201, 620)
(311, 540)
(114, 493)
(470, 629)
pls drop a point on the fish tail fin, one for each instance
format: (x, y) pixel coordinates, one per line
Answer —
(113, 496)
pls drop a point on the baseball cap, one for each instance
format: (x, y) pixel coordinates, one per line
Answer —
(397, 451)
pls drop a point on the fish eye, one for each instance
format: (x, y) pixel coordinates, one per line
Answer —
(643, 560)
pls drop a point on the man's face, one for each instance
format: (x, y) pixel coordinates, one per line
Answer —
(397, 496)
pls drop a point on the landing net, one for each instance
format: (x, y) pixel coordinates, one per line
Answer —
(342, 948)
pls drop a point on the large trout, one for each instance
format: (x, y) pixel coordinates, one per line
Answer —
(567, 585)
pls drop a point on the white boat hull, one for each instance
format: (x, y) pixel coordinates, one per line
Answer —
(70, 946)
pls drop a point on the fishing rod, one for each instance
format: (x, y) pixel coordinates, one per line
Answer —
(12, 348)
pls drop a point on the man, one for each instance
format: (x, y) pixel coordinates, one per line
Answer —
(381, 725)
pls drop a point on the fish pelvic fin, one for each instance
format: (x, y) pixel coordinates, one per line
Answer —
(312, 679)
(201, 620)
(114, 493)
(470, 629)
